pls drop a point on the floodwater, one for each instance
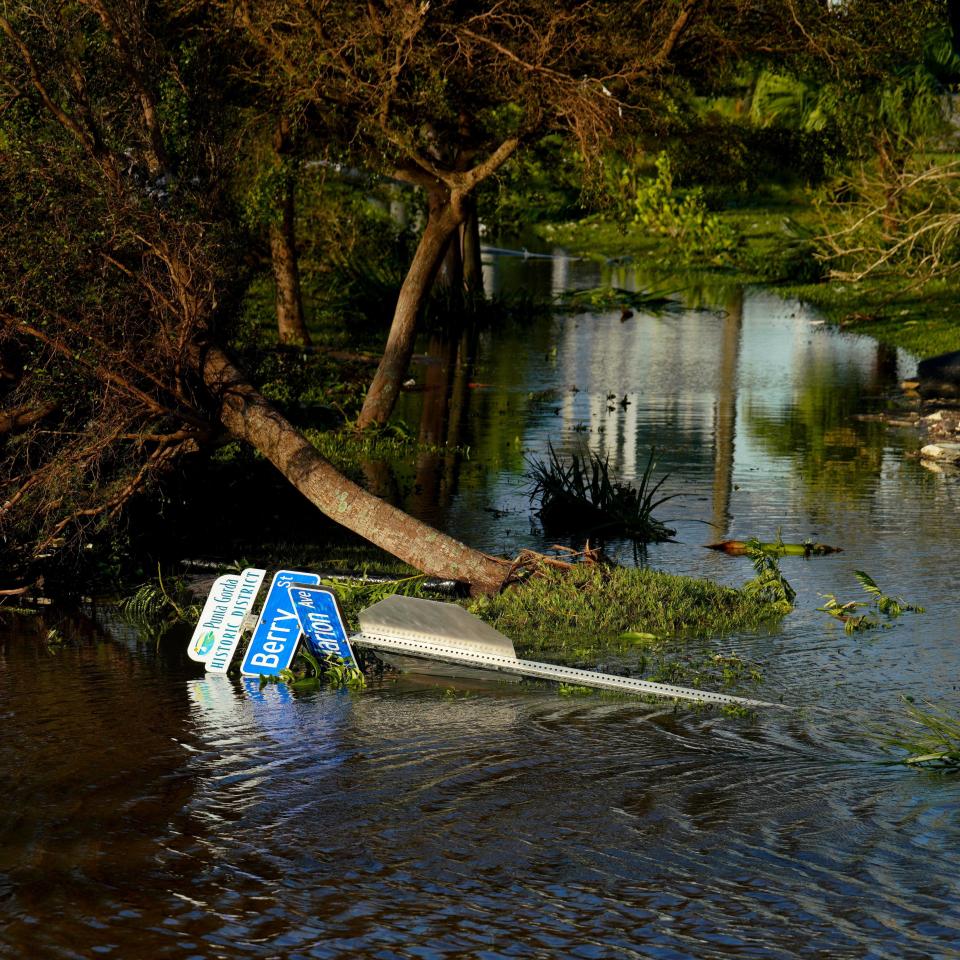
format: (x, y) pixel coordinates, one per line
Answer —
(148, 811)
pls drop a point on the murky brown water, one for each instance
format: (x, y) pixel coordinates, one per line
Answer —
(147, 811)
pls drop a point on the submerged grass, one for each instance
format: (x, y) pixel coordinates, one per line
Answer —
(593, 607)
(654, 302)
(649, 619)
(347, 447)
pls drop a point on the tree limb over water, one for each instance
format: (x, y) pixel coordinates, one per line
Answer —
(122, 254)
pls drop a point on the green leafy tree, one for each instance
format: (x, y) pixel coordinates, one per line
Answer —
(442, 94)
(121, 267)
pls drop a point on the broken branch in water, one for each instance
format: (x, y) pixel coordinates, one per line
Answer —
(738, 548)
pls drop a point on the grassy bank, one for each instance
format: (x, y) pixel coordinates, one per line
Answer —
(775, 249)
(925, 321)
(765, 232)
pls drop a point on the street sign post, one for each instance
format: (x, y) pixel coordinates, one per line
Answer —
(229, 638)
(275, 638)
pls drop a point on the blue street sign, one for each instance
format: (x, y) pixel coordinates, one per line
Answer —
(274, 640)
(321, 622)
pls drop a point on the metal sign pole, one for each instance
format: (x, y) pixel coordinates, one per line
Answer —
(549, 671)
(445, 632)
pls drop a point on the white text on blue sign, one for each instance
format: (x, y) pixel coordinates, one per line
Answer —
(321, 622)
(274, 641)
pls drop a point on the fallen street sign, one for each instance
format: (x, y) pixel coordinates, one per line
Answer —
(321, 622)
(218, 629)
(229, 639)
(274, 640)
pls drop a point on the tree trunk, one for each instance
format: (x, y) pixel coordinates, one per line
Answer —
(12, 421)
(459, 401)
(443, 219)
(250, 417)
(449, 275)
(426, 500)
(472, 266)
(291, 327)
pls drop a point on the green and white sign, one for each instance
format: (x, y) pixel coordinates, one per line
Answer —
(217, 633)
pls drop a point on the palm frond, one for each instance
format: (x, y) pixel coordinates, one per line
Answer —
(933, 739)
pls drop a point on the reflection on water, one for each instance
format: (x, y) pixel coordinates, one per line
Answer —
(151, 812)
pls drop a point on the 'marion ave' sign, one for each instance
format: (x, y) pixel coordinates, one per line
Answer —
(321, 622)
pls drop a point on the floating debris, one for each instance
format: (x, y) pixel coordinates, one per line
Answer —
(941, 452)
(739, 548)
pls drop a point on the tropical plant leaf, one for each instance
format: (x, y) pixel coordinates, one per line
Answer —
(931, 740)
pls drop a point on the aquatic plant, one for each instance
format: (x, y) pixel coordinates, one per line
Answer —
(309, 673)
(890, 606)
(655, 302)
(881, 604)
(933, 739)
(339, 673)
(769, 585)
(580, 496)
(157, 607)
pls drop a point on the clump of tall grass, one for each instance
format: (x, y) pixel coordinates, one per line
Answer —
(933, 739)
(579, 496)
(575, 615)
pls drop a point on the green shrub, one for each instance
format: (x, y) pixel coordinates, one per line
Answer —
(684, 218)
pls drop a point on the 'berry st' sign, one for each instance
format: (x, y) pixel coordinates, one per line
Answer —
(275, 638)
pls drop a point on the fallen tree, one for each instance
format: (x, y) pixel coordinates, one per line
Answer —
(122, 255)
(250, 417)
(118, 287)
